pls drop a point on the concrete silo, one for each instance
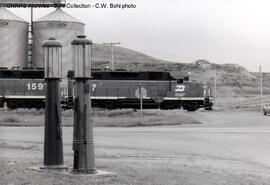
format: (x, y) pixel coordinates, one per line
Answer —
(61, 26)
(13, 39)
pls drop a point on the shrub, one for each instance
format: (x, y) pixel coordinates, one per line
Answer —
(10, 119)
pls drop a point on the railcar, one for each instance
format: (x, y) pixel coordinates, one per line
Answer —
(119, 89)
(22, 88)
(109, 89)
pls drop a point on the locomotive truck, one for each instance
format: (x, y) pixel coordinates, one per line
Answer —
(109, 89)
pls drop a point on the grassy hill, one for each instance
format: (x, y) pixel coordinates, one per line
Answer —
(232, 80)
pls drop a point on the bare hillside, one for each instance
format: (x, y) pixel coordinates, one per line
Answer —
(232, 79)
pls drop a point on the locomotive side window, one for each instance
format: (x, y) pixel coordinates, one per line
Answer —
(186, 78)
(180, 81)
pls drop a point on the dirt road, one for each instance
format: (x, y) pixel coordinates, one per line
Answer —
(229, 148)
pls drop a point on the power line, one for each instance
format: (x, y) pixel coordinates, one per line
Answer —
(260, 69)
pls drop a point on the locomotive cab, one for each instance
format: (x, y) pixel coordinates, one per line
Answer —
(179, 90)
(181, 80)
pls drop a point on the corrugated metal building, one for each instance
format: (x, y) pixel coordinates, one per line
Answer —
(13, 39)
(63, 27)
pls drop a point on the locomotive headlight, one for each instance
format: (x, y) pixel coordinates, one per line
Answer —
(52, 59)
(82, 58)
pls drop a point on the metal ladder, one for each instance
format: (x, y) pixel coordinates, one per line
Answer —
(30, 47)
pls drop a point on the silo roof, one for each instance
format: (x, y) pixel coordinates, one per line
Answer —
(58, 15)
(7, 15)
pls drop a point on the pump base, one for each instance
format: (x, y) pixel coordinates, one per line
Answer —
(84, 171)
(68, 171)
(98, 173)
(49, 167)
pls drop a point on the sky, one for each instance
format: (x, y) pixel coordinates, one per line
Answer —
(220, 31)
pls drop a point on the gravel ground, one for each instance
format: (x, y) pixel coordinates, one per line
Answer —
(228, 148)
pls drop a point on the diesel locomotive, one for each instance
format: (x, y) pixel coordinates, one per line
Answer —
(109, 89)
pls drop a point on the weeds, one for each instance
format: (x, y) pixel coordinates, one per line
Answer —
(116, 113)
(10, 119)
(101, 118)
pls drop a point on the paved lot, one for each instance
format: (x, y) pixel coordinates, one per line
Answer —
(229, 148)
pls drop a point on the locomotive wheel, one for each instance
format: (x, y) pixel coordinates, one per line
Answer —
(169, 105)
(208, 108)
(191, 107)
(2, 103)
(11, 104)
(109, 105)
(40, 105)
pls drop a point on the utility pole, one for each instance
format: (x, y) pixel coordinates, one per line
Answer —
(112, 50)
(215, 86)
(260, 68)
(141, 101)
